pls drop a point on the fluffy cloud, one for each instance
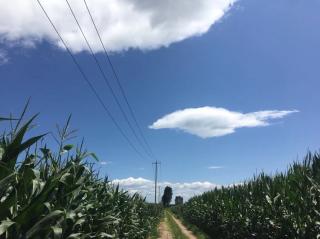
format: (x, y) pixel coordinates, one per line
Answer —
(207, 122)
(146, 187)
(143, 24)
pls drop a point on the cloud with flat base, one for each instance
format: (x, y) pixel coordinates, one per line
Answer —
(208, 122)
(123, 24)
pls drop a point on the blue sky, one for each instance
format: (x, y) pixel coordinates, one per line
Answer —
(260, 55)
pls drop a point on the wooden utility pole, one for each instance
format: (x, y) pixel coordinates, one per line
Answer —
(156, 180)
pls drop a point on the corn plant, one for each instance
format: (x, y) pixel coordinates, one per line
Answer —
(283, 206)
(46, 194)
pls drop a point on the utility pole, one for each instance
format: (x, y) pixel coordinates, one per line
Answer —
(159, 194)
(156, 180)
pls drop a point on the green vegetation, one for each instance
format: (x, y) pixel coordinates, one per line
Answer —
(282, 206)
(46, 194)
(154, 233)
(167, 196)
(174, 228)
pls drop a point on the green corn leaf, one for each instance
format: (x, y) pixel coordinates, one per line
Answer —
(1, 152)
(44, 223)
(66, 178)
(75, 236)
(5, 225)
(5, 182)
(30, 142)
(80, 222)
(20, 134)
(6, 204)
(57, 232)
(268, 199)
(105, 235)
(7, 119)
(10, 155)
(68, 147)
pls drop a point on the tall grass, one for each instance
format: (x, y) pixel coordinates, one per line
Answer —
(47, 194)
(282, 206)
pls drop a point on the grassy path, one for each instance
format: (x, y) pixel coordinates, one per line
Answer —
(164, 230)
(183, 229)
(172, 228)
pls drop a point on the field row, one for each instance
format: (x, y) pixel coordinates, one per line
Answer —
(281, 206)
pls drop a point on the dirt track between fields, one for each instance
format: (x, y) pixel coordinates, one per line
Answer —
(165, 232)
(184, 230)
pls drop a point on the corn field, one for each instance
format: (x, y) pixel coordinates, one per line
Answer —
(46, 194)
(282, 206)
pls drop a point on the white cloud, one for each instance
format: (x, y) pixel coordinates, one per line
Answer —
(142, 24)
(207, 122)
(215, 167)
(146, 187)
(3, 57)
(105, 162)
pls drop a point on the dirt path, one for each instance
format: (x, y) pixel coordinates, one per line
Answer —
(164, 231)
(184, 230)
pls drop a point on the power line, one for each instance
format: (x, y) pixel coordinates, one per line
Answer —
(106, 80)
(90, 84)
(119, 82)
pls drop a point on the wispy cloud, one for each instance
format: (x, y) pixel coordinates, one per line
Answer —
(207, 122)
(3, 57)
(146, 187)
(105, 162)
(215, 167)
(123, 24)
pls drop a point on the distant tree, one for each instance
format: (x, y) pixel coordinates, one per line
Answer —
(167, 196)
(178, 200)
